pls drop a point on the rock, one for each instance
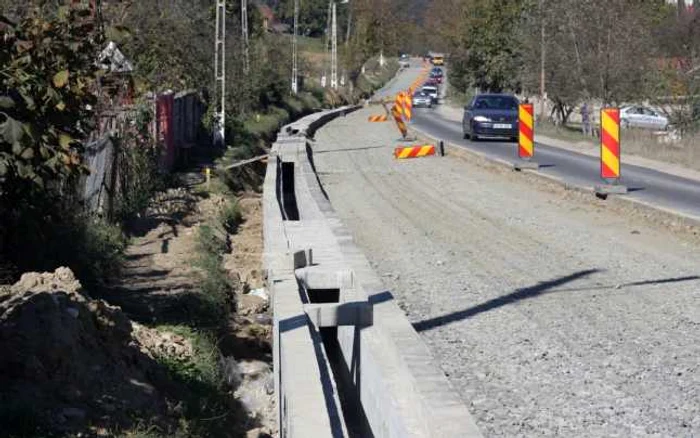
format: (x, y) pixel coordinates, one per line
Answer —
(258, 432)
(251, 305)
(260, 292)
(232, 371)
(253, 368)
(263, 319)
(270, 384)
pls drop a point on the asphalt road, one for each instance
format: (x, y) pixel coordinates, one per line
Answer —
(648, 185)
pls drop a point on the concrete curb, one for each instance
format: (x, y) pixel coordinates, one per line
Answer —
(657, 214)
(370, 380)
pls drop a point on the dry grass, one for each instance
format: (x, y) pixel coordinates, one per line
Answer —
(642, 143)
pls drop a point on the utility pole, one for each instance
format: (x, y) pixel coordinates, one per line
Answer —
(244, 28)
(324, 77)
(295, 68)
(347, 31)
(220, 71)
(542, 62)
(334, 48)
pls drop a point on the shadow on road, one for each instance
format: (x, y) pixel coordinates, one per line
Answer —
(633, 284)
(518, 295)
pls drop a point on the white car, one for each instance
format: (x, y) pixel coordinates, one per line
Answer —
(431, 91)
(642, 117)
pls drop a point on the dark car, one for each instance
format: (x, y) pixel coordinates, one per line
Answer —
(436, 78)
(436, 71)
(491, 115)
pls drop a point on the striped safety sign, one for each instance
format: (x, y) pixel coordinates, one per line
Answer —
(610, 143)
(414, 151)
(401, 103)
(408, 105)
(396, 113)
(381, 118)
(526, 137)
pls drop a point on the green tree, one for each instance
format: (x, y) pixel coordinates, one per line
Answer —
(47, 84)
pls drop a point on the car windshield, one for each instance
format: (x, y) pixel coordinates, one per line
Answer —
(429, 89)
(496, 103)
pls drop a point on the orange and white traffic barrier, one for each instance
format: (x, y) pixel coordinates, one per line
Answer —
(610, 143)
(381, 118)
(414, 151)
(400, 101)
(396, 113)
(526, 127)
(408, 105)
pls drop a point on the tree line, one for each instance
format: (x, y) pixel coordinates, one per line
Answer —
(610, 51)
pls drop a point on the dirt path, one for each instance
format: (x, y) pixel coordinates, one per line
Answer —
(160, 285)
(551, 316)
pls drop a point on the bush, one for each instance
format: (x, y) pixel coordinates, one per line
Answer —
(214, 284)
(231, 217)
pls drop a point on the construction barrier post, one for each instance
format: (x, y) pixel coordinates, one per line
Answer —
(414, 151)
(408, 106)
(610, 153)
(396, 114)
(442, 148)
(526, 136)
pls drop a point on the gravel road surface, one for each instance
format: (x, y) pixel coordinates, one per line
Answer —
(550, 316)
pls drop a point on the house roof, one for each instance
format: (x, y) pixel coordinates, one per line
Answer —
(113, 60)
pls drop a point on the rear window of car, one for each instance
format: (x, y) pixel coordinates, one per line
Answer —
(496, 103)
(429, 89)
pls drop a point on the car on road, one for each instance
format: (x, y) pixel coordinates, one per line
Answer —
(491, 115)
(432, 91)
(438, 60)
(642, 117)
(437, 71)
(421, 99)
(436, 78)
(404, 61)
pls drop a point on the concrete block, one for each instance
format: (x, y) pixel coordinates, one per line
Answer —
(317, 277)
(610, 189)
(356, 313)
(303, 258)
(525, 165)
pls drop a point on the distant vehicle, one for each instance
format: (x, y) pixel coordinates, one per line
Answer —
(404, 60)
(642, 117)
(433, 82)
(438, 60)
(431, 91)
(421, 99)
(436, 78)
(436, 71)
(491, 115)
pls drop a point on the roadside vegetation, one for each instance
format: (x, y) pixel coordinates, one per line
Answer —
(50, 96)
(592, 52)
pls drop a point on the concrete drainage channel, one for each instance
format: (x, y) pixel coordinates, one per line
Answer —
(347, 361)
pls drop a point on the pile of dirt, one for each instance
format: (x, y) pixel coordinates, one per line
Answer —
(72, 361)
